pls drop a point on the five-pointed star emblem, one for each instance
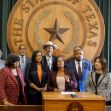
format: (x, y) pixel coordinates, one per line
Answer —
(56, 32)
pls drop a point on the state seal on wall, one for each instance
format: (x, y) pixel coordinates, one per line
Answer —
(64, 22)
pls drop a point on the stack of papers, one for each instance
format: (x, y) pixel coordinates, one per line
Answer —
(63, 92)
(73, 94)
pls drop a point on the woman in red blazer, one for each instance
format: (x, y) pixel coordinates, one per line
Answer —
(11, 82)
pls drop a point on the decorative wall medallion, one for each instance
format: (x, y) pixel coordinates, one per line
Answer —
(74, 22)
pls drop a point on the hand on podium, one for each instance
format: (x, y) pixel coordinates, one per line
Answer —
(56, 90)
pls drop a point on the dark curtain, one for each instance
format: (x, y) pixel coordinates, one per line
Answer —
(104, 5)
(5, 8)
(0, 24)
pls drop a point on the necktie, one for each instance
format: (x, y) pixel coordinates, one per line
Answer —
(22, 62)
(49, 63)
(79, 70)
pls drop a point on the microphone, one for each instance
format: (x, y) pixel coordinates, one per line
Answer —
(74, 95)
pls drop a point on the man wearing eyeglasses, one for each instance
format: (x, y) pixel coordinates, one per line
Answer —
(24, 60)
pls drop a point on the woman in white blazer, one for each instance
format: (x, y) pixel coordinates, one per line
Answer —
(99, 80)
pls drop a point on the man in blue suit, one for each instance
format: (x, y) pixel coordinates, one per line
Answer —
(80, 67)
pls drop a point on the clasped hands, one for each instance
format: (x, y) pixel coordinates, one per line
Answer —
(41, 89)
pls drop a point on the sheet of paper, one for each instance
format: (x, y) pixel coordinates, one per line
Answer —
(64, 92)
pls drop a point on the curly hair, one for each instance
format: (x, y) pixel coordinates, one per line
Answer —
(11, 59)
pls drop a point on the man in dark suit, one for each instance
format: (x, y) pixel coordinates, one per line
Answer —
(24, 60)
(80, 67)
(49, 60)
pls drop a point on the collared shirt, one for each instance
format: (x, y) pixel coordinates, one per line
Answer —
(49, 61)
(77, 63)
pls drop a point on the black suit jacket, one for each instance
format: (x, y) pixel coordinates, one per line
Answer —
(54, 63)
(31, 76)
(34, 97)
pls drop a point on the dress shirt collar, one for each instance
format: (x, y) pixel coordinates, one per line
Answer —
(47, 57)
(76, 62)
(22, 56)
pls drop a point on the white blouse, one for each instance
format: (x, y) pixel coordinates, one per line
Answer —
(61, 83)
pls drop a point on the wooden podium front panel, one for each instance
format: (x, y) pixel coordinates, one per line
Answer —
(55, 101)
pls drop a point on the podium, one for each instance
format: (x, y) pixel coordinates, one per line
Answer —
(85, 101)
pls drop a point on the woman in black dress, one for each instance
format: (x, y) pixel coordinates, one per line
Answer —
(36, 79)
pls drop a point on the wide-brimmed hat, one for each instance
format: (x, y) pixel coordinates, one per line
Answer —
(49, 43)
